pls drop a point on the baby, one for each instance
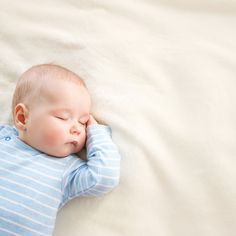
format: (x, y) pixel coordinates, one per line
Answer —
(39, 168)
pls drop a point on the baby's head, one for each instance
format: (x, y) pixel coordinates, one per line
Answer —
(51, 106)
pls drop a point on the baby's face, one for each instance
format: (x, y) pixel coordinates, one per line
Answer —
(57, 125)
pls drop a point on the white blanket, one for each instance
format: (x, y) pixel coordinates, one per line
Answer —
(162, 74)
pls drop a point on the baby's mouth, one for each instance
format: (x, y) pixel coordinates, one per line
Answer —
(74, 143)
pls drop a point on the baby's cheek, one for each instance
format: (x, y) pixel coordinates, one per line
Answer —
(54, 137)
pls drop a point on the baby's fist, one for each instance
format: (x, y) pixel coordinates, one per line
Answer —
(91, 120)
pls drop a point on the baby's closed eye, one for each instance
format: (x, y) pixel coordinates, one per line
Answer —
(61, 118)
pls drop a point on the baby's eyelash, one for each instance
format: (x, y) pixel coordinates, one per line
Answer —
(61, 118)
(82, 123)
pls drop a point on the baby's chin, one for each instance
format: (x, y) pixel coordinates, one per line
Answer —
(65, 152)
(60, 151)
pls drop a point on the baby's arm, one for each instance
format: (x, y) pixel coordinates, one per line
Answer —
(100, 174)
(103, 159)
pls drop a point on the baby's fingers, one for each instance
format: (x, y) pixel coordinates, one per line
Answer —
(91, 120)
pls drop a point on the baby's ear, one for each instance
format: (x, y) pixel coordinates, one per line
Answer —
(20, 116)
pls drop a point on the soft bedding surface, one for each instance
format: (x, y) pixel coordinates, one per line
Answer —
(162, 75)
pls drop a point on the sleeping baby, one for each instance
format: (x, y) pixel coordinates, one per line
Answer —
(40, 170)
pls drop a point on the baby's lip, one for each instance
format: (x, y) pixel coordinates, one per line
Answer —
(74, 142)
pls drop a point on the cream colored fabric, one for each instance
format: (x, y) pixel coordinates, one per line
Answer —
(162, 74)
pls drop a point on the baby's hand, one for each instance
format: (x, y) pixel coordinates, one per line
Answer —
(91, 121)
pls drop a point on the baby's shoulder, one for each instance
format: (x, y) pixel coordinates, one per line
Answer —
(6, 130)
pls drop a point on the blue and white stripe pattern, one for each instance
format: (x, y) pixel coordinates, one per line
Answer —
(33, 185)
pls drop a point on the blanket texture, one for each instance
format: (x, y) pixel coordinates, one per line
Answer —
(162, 76)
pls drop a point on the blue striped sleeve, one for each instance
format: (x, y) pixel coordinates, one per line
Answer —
(100, 173)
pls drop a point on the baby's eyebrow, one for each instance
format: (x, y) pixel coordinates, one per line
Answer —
(62, 110)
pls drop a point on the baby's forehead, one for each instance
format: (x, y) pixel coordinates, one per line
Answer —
(65, 92)
(47, 82)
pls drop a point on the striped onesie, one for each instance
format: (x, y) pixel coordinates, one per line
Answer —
(34, 186)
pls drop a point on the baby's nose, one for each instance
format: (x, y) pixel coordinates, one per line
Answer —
(75, 129)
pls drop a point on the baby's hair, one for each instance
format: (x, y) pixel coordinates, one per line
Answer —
(31, 82)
